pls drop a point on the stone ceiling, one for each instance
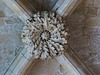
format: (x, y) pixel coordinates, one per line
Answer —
(84, 26)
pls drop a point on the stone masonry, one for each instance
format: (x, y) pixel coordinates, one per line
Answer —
(84, 27)
(10, 41)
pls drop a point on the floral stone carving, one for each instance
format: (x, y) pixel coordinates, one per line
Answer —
(44, 35)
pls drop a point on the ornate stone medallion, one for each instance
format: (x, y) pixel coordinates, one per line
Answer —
(44, 35)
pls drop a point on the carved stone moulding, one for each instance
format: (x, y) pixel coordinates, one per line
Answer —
(23, 62)
(44, 35)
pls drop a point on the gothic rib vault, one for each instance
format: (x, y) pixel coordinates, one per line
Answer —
(60, 9)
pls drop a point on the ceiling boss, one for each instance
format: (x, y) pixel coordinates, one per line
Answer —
(44, 36)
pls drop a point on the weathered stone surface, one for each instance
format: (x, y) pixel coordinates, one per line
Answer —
(84, 26)
(84, 53)
(91, 31)
(95, 68)
(97, 3)
(12, 20)
(75, 19)
(86, 3)
(1, 22)
(3, 37)
(47, 67)
(79, 10)
(80, 42)
(77, 32)
(0, 58)
(85, 39)
(92, 11)
(93, 22)
(10, 28)
(90, 3)
(2, 14)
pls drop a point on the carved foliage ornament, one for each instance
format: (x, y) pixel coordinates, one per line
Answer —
(44, 35)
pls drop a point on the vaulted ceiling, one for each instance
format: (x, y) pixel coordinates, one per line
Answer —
(84, 27)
